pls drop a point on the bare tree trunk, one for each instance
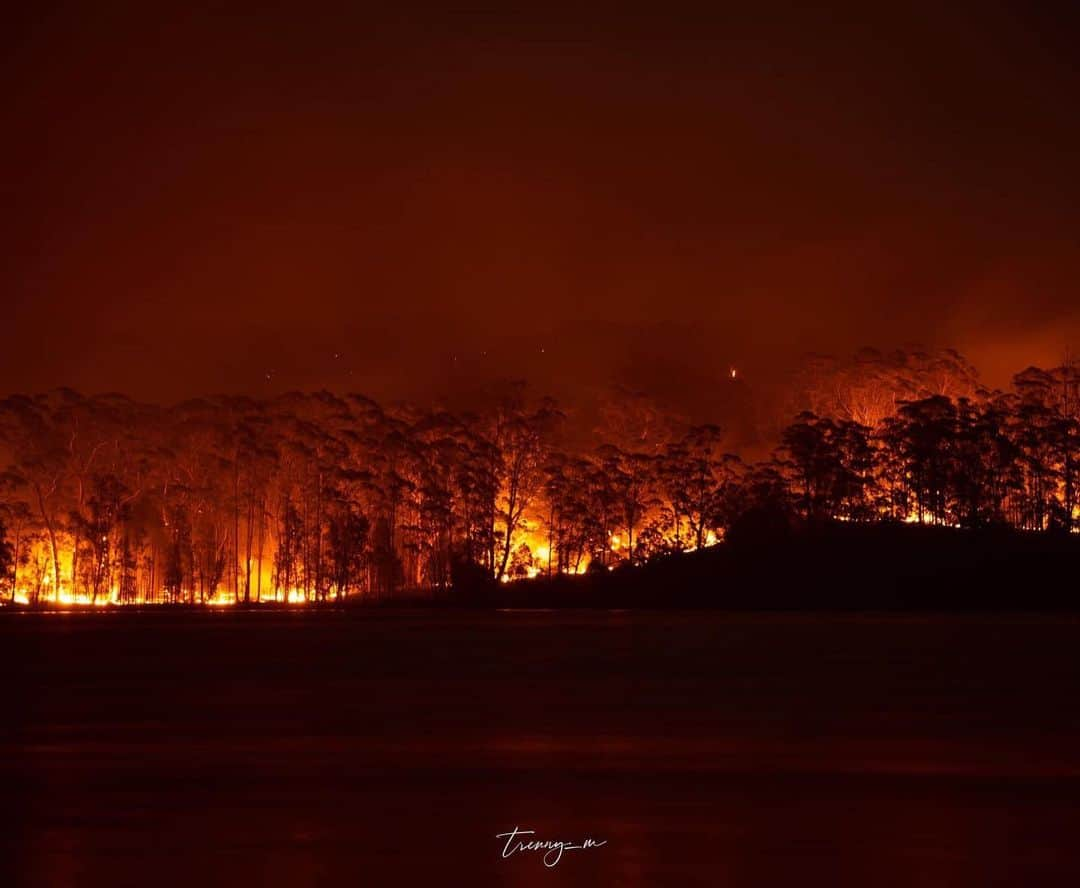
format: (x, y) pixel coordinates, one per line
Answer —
(236, 531)
(249, 529)
(511, 521)
(15, 564)
(52, 539)
(318, 538)
(74, 559)
(551, 536)
(258, 578)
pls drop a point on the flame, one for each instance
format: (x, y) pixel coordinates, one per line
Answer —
(67, 598)
(37, 577)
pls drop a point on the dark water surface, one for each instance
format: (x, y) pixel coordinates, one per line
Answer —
(389, 749)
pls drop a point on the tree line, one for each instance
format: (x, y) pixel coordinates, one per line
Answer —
(320, 497)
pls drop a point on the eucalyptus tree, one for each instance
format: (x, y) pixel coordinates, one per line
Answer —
(8, 558)
(630, 480)
(522, 439)
(692, 474)
(1048, 433)
(16, 530)
(34, 439)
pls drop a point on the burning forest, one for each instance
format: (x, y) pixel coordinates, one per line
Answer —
(316, 498)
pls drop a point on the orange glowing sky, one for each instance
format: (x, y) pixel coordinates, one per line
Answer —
(199, 201)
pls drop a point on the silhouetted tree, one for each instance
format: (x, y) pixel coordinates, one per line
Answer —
(693, 474)
(7, 559)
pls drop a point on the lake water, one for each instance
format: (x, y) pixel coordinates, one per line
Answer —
(390, 748)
